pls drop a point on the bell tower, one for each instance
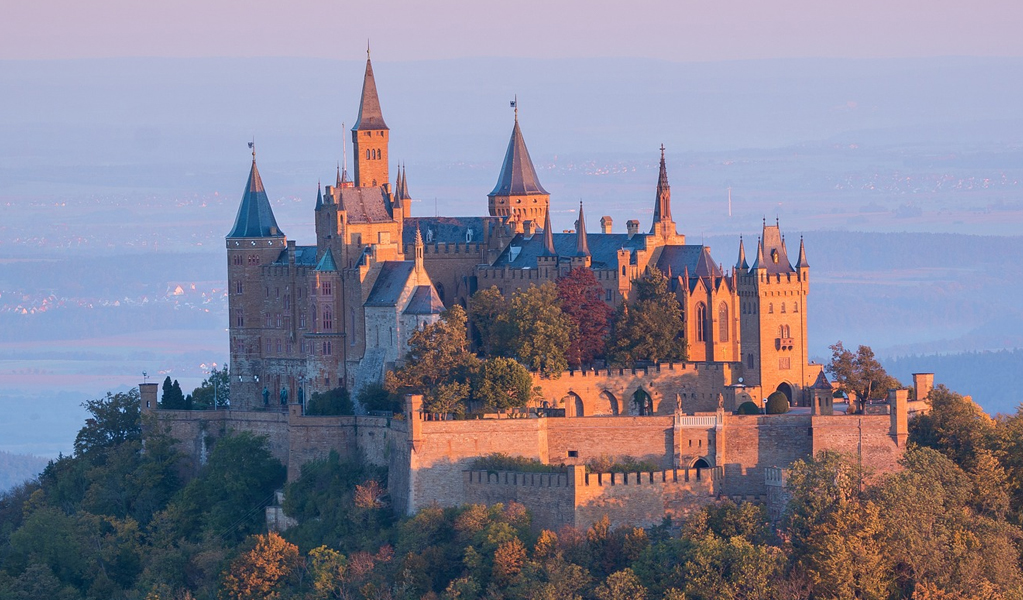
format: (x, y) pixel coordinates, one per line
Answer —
(370, 136)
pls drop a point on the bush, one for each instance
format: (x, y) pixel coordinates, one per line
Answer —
(503, 462)
(623, 464)
(748, 407)
(375, 397)
(333, 403)
(777, 404)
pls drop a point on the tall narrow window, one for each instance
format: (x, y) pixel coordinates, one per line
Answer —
(701, 322)
(328, 319)
(327, 290)
(770, 308)
(723, 323)
(239, 319)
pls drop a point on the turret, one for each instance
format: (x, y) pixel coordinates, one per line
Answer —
(582, 256)
(518, 193)
(370, 135)
(740, 265)
(802, 266)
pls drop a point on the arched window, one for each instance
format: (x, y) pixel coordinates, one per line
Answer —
(782, 307)
(328, 319)
(723, 323)
(795, 307)
(701, 322)
(770, 308)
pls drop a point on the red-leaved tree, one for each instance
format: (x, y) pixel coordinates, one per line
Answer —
(581, 299)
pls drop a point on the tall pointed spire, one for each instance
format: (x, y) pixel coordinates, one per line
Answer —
(396, 193)
(404, 183)
(663, 223)
(319, 196)
(518, 176)
(581, 247)
(255, 216)
(760, 262)
(548, 235)
(741, 263)
(802, 264)
(418, 248)
(370, 116)
(338, 184)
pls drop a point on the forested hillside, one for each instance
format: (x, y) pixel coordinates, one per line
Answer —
(119, 521)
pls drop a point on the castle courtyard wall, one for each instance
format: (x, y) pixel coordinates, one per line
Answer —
(751, 443)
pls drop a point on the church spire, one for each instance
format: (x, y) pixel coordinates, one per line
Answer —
(338, 184)
(581, 247)
(319, 196)
(370, 116)
(663, 225)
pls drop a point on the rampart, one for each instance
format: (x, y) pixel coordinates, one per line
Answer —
(577, 498)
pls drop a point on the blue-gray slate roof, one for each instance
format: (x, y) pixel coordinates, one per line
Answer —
(390, 282)
(255, 217)
(424, 301)
(327, 263)
(305, 256)
(450, 230)
(518, 177)
(603, 249)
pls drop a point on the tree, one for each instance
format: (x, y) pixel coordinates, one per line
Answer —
(438, 364)
(488, 313)
(115, 419)
(502, 383)
(263, 572)
(581, 300)
(860, 374)
(621, 585)
(651, 328)
(215, 391)
(374, 396)
(955, 426)
(543, 331)
(172, 397)
(330, 403)
(777, 403)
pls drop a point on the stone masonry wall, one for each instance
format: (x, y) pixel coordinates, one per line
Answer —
(643, 438)
(550, 497)
(751, 443)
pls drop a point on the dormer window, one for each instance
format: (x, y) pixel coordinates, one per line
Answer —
(774, 256)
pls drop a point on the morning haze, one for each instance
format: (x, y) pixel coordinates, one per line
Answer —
(122, 156)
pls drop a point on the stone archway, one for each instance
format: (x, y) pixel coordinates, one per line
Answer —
(700, 464)
(786, 389)
(607, 406)
(642, 402)
(573, 405)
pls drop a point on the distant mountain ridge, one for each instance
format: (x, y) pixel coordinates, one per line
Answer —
(16, 469)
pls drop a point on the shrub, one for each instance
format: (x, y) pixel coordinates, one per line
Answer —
(624, 464)
(333, 403)
(503, 462)
(777, 404)
(748, 407)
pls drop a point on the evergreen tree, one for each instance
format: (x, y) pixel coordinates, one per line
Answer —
(651, 328)
(581, 299)
(488, 313)
(172, 398)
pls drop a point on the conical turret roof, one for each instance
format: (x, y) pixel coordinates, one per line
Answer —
(741, 264)
(802, 264)
(582, 248)
(548, 235)
(370, 116)
(518, 177)
(255, 217)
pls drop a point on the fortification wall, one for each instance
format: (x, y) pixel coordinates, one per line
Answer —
(550, 497)
(398, 454)
(579, 440)
(643, 499)
(196, 431)
(749, 444)
(866, 438)
(313, 438)
(613, 391)
(448, 447)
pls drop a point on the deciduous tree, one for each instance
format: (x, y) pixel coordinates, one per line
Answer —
(264, 572)
(503, 383)
(543, 331)
(488, 313)
(860, 373)
(582, 300)
(650, 327)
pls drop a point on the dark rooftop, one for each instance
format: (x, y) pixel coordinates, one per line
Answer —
(370, 116)
(424, 301)
(365, 204)
(390, 282)
(450, 230)
(255, 217)
(518, 177)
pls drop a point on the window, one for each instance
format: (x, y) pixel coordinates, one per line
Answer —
(278, 346)
(237, 259)
(287, 323)
(269, 346)
(623, 271)
(277, 292)
(327, 350)
(795, 307)
(749, 361)
(278, 320)
(328, 319)
(239, 319)
(367, 153)
(770, 308)
(287, 301)
(327, 290)
(301, 321)
(610, 295)
(253, 259)
(267, 320)
(290, 348)
(782, 307)
(573, 454)
(239, 287)
(701, 322)
(723, 323)
(784, 363)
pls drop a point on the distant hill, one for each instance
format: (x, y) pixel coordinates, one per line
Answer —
(16, 469)
(992, 378)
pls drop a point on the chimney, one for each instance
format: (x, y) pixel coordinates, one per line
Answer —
(923, 383)
(605, 224)
(632, 225)
(528, 228)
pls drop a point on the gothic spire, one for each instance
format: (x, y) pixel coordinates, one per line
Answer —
(548, 234)
(255, 216)
(802, 264)
(662, 208)
(338, 184)
(518, 176)
(581, 247)
(396, 193)
(404, 184)
(760, 262)
(370, 116)
(741, 263)
(319, 196)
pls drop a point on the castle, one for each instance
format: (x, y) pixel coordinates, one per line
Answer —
(339, 314)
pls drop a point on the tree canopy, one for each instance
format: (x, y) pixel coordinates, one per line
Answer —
(581, 297)
(860, 373)
(543, 332)
(650, 327)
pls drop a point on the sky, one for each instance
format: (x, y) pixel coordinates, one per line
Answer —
(676, 30)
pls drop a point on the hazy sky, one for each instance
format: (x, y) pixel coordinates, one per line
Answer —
(680, 30)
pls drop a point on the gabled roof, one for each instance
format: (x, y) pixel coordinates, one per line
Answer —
(705, 265)
(390, 282)
(446, 230)
(365, 204)
(424, 301)
(518, 177)
(255, 217)
(370, 116)
(327, 262)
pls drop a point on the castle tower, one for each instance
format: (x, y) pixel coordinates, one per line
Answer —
(518, 193)
(663, 226)
(254, 242)
(772, 295)
(370, 136)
